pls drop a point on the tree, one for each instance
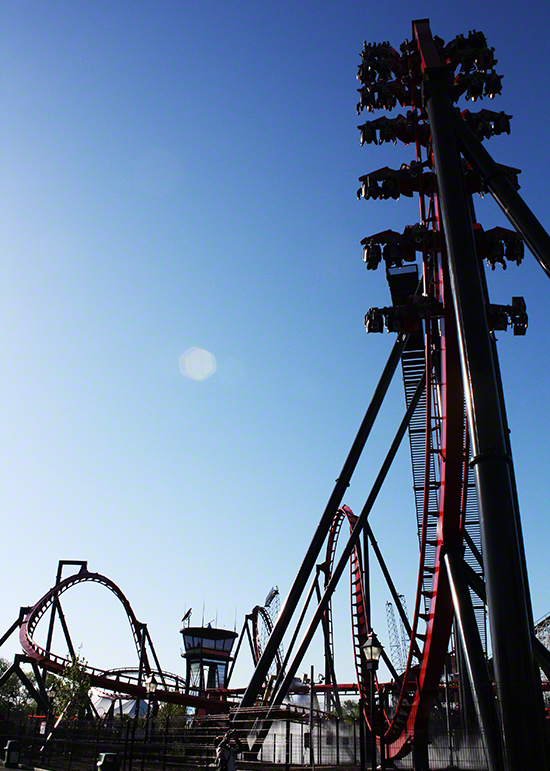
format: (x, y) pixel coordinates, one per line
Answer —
(71, 689)
(168, 712)
(13, 694)
(350, 710)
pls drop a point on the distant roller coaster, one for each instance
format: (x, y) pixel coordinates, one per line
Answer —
(131, 681)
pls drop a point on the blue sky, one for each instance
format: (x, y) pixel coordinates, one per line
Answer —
(179, 175)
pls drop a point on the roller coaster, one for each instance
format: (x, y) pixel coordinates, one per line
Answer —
(471, 556)
(129, 681)
(469, 529)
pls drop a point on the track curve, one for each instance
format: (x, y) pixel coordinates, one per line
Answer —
(446, 473)
(359, 620)
(262, 626)
(127, 681)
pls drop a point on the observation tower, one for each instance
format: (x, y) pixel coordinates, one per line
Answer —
(207, 652)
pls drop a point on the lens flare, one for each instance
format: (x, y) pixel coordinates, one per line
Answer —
(197, 364)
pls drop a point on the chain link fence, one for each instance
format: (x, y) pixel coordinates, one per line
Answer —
(288, 738)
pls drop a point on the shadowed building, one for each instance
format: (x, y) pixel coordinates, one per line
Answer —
(207, 652)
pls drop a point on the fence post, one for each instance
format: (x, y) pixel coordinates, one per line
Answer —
(126, 745)
(291, 748)
(71, 744)
(132, 742)
(143, 749)
(97, 739)
(287, 745)
(165, 743)
(145, 740)
(319, 743)
(362, 739)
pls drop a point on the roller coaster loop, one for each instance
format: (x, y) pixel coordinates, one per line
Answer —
(126, 681)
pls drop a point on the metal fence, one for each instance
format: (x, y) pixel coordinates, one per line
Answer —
(287, 739)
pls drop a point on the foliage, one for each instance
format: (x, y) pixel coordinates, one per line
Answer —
(168, 712)
(13, 694)
(350, 710)
(71, 690)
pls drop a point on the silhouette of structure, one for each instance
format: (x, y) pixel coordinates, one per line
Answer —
(207, 652)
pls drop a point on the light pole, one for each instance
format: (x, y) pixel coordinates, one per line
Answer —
(311, 704)
(52, 693)
(371, 651)
(150, 688)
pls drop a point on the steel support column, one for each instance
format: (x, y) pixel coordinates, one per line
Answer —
(518, 694)
(474, 658)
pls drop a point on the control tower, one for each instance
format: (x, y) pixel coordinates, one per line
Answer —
(207, 652)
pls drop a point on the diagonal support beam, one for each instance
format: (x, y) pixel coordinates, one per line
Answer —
(482, 686)
(57, 607)
(40, 695)
(542, 656)
(306, 568)
(16, 624)
(391, 587)
(236, 654)
(290, 647)
(350, 545)
(329, 659)
(504, 193)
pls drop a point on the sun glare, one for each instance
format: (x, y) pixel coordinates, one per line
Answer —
(197, 364)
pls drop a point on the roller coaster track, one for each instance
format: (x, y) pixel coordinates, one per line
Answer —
(359, 620)
(126, 681)
(458, 430)
(440, 480)
(262, 626)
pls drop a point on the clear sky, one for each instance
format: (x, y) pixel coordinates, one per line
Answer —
(180, 175)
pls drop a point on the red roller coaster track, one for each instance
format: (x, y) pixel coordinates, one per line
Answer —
(440, 445)
(463, 478)
(127, 681)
